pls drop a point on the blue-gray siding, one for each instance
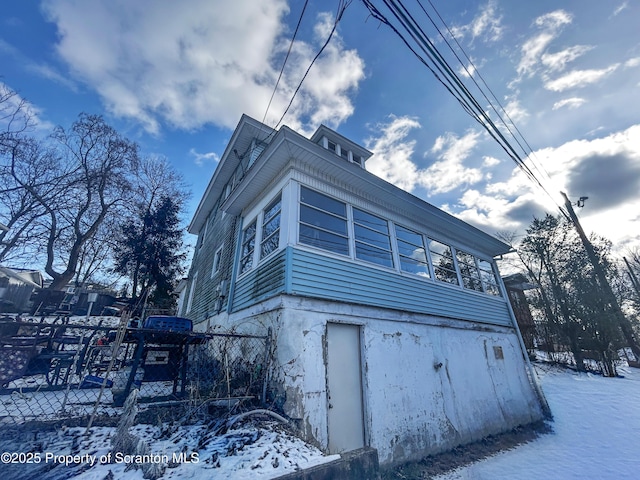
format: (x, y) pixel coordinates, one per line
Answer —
(261, 283)
(304, 273)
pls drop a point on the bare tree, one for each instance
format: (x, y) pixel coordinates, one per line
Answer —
(99, 162)
(15, 116)
(29, 178)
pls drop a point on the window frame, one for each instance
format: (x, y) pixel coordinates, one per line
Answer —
(250, 258)
(248, 247)
(425, 250)
(344, 235)
(217, 260)
(461, 269)
(368, 244)
(265, 221)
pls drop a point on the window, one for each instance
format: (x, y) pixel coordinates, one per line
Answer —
(412, 253)
(488, 277)
(256, 149)
(191, 292)
(217, 261)
(323, 222)
(372, 238)
(248, 247)
(344, 153)
(442, 259)
(271, 228)
(469, 271)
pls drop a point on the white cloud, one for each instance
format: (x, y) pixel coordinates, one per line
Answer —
(605, 169)
(579, 78)
(202, 158)
(533, 49)
(573, 102)
(392, 158)
(487, 24)
(620, 8)
(490, 161)
(42, 70)
(558, 60)
(632, 62)
(201, 61)
(324, 97)
(392, 152)
(515, 110)
(18, 114)
(449, 172)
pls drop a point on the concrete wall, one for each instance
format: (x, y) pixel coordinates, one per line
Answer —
(429, 383)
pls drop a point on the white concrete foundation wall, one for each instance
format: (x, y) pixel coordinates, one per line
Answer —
(429, 384)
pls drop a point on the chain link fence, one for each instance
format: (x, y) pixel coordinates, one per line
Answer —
(59, 369)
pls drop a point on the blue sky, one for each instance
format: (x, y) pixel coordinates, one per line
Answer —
(176, 77)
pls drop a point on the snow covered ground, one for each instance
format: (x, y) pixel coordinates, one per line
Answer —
(595, 433)
(252, 449)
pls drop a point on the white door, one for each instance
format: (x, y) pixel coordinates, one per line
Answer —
(344, 385)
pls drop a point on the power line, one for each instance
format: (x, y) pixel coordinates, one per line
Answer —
(530, 151)
(342, 6)
(445, 74)
(295, 33)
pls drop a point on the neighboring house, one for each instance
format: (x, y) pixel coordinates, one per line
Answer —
(516, 285)
(16, 287)
(76, 300)
(390, 322)
(180, 291)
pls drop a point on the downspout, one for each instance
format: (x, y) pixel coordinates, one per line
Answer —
(533, 376)
(234, 269)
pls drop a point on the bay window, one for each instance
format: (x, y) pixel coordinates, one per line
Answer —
(323, 222)
(372, 238)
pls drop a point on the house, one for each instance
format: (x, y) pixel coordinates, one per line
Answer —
(16, 287)
(515, 286)
(89, 299)
(391, 326)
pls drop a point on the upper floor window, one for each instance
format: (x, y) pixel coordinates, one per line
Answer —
(412, 253)
(217, 261)
(337, 227)
(192, 290)
(469, 271)
(256, 149)
(271, 227)
(248, 247)
(323, 222)
(489, 280)
(442, 259)
(372, 238)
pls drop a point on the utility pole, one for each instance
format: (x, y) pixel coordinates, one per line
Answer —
(625, 325)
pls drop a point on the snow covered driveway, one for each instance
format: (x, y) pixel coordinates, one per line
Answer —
(596, 433)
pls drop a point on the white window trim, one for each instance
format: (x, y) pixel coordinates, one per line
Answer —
(191, 292)
(294, 220)
(258, 218)
(217, 260)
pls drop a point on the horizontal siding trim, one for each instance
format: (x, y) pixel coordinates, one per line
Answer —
(321, 276)
(265, 281)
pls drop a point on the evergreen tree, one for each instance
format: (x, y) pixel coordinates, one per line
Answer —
(150, 251)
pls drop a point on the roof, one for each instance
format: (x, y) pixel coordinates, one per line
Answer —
(28, 277)
(288, 149)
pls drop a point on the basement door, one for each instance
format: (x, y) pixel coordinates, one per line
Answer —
(344, 388)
